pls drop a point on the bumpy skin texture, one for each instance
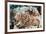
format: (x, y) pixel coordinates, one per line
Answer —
(26, 19)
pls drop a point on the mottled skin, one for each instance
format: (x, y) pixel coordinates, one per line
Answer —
(26, 19)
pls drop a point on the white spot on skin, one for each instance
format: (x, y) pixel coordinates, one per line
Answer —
(18, 23)
(23, 12)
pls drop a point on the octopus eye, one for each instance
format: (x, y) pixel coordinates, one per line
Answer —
(15, 20)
